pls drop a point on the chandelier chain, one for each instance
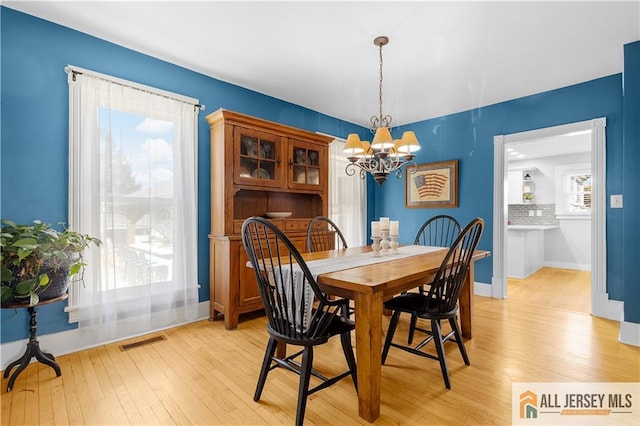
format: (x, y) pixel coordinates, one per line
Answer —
(380, 120)
(380, 85)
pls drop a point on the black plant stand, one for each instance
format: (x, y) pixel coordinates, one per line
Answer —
(33, 347)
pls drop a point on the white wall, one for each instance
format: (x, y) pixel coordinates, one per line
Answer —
(569, 246)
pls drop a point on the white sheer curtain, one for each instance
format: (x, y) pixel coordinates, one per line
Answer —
(347, 197)
(132, 183)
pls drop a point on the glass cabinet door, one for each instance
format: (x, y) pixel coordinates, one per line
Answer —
(257, 158)
(307, 165)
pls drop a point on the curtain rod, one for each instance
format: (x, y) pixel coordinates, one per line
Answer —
(73, 70)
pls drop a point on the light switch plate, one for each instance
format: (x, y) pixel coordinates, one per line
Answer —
(531, 212)
(616, 201)
(538, 212)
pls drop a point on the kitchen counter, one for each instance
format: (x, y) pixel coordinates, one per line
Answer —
(525, 249)
(531, 227)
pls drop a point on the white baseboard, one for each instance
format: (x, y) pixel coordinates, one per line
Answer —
(629, 333)
(567, 265)
(70, 341)
(603, 307)
(521, 277)
(482, 289)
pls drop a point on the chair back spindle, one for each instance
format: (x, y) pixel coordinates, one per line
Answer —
(439, 231)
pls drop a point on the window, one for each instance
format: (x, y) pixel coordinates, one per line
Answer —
(579, 194)
(573, 189)
(132, 183)
(347, 197)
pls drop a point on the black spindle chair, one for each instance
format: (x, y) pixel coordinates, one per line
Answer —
(298, 312)
(440, 302)
(323, 234)
(438, 231)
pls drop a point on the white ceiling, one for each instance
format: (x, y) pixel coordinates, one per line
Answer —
(570, 143)
(443, 57)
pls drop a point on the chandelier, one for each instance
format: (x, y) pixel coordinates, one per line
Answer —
(383, 155)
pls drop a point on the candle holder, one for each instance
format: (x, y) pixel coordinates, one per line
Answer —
(376, 246)
(384, 243)
(393, 244)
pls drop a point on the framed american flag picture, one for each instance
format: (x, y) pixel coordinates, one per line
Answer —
(433, 185)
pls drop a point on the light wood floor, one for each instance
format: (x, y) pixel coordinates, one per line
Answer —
(553, 287)
(203, 374)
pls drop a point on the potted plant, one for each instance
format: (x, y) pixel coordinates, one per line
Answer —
(38, 260)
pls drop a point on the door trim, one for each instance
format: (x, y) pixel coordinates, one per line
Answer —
(599, 299)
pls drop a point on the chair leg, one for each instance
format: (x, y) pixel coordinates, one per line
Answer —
(303, 389)
(412, 328)
(414, 321)
(347, 310)
(266, 364)
(347, 348)
(437, 338)
(390, 332)
(459, 341)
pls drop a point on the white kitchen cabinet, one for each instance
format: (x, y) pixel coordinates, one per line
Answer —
(521, 186)
(525, 253)
(514, 187)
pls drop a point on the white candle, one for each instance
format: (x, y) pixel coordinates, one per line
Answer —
(393, 228)
(384, 223)
(375, 229)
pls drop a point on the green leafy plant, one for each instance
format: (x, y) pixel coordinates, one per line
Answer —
(34, 255)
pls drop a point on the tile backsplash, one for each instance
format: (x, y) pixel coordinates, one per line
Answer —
(518, 214)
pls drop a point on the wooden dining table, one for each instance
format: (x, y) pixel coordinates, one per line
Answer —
(368, 286)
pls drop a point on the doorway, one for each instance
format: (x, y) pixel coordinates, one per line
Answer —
(599, 299)
(549, 219)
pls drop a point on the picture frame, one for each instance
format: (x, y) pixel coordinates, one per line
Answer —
(432, 185)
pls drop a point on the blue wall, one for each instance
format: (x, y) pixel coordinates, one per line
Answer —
(468, 137)
(35, 136)
(34, 123)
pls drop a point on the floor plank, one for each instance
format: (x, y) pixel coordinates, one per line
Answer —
(204, 374)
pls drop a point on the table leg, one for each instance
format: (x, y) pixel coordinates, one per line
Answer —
(21, 363)
(368, 308)
(466, 304)
(281, 350)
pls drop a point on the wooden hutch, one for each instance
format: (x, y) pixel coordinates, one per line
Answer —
(258, 166)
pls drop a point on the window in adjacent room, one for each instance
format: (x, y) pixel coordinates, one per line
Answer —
(573, 189)
(579, 194)
(132, 184)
